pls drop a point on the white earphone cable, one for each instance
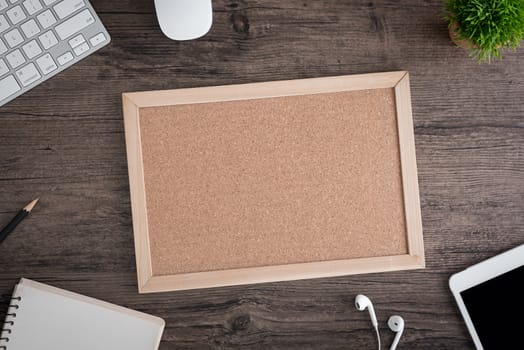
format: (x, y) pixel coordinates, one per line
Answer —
(378, 337)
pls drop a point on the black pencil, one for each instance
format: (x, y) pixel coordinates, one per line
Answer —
(16, 220)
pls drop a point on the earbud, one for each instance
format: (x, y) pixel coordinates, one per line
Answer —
(362, 302)
(396, 324)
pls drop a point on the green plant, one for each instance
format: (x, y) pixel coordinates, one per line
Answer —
(488, 25)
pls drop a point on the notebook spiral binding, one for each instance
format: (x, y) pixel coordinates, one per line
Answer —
(14, 305)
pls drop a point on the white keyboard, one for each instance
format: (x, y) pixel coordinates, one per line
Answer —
(41, 38)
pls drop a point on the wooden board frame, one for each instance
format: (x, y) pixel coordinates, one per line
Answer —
(148, 282)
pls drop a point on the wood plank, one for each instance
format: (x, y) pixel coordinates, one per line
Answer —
(264, 90)
(408, 164)
(137, 191)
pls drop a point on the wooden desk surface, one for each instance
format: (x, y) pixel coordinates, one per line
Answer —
(64, 142)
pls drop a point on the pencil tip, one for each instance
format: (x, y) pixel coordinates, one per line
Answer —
(31, 205)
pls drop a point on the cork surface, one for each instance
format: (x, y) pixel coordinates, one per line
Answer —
(273, 181)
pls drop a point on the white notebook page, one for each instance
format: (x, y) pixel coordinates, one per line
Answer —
(49, 318)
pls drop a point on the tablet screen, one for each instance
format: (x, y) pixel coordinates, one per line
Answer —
(496, 308)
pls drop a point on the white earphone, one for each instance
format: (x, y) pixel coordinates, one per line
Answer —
(395, 323)
(362, 302)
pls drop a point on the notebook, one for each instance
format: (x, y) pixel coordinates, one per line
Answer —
(47, 318)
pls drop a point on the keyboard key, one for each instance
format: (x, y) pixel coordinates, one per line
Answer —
(67, 57)
(77, 40)
(28, 74)
(3, 5)
(3, 67)
(13, 1)
(13, 38)
(46, 19)
(67, 7)
(97, 39)
(32, 6)
(30, 28)
(49, 2)
(81, 49)
(32, 49)
(15, 59)
(4, 25)
(3, 48)
(74, 24)
(16, 14)
(48, 40)
(8, 86)
(46, 64)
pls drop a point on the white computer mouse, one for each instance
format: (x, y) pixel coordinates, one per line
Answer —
(184, 19)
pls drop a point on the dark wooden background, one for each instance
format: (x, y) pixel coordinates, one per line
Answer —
(64, 142)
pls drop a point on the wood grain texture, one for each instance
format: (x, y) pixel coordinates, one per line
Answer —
(64, 142)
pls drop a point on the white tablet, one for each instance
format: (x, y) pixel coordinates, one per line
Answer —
(490, 296)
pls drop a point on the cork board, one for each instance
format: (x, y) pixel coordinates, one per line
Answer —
(273, 181)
